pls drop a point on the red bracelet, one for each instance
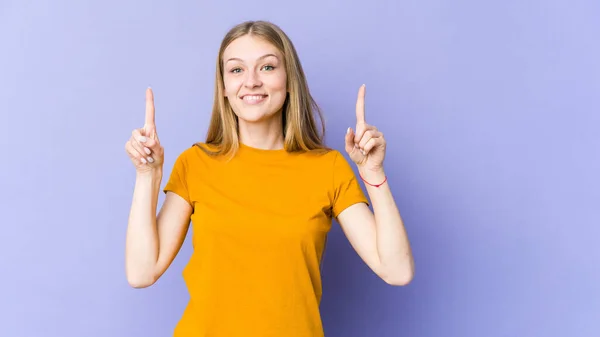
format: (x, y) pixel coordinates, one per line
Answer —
(366, 182)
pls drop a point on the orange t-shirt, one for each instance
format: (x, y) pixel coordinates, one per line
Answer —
(260, 223)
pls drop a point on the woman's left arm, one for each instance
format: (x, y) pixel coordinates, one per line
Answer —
(379, 237)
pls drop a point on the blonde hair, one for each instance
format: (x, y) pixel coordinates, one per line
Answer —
(298, 121)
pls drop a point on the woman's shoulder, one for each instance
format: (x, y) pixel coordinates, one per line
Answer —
(196, 152)
(328, 157)
(201, 147)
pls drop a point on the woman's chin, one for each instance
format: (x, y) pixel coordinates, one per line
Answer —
(253, 116)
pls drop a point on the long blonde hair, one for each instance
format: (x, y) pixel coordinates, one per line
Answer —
(299, 109)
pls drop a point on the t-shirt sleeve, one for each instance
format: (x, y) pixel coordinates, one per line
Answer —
(347, 190)
(178, 181)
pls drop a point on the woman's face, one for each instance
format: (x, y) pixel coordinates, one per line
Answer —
(254, 78)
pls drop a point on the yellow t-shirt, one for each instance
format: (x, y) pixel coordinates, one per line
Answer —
(260, 223)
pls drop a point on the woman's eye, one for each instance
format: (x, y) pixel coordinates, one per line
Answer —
(268, 67)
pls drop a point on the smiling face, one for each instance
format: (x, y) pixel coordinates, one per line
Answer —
(254, 79)
(257, 58)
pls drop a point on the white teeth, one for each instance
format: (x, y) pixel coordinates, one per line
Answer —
(253, 97)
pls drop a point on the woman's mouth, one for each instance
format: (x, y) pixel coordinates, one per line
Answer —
(253, 99)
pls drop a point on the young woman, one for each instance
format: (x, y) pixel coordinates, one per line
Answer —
(261, 192)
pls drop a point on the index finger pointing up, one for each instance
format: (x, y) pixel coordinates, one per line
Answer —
(360, 105)
(149, 108)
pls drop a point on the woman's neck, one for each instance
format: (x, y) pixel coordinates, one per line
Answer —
(266, 135)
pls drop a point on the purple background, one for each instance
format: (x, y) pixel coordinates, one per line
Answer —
(491, 113)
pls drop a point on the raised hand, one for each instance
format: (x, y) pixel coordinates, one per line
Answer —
(366, 146)
(143, 147)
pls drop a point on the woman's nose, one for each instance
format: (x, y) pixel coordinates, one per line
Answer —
(252, 80)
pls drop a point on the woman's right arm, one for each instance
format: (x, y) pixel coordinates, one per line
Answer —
(152, 240)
